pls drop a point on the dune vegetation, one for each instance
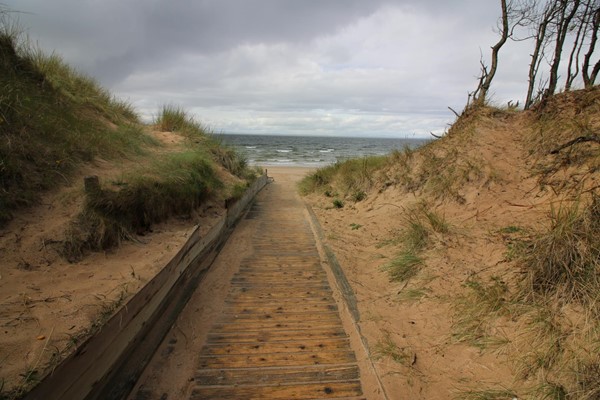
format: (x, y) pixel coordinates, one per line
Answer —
(478, 254)
(53, 120)
(80, 177)
(493, 235)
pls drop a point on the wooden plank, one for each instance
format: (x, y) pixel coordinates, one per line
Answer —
(279, 317)
(277, 347)
(279, 307)
(264, 293)
(304, 391)
(248, 298)
(245, 376)
(276, 359)
(273, 336)
(276, 276)
(274, 326)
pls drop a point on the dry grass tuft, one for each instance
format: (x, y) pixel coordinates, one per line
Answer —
(564, 261)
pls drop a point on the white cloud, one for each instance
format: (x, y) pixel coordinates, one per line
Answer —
(272, 66)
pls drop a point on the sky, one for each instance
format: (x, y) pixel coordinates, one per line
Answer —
(381, 68)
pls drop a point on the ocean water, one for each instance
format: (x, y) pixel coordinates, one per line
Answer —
(311, 151)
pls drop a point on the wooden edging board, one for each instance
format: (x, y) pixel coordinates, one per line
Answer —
(107, 365)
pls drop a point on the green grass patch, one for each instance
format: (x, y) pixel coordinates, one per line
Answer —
(52, 119)
(404, 266)
(337, 203)
(175, 119)
(175, 185)
(172, 118)
(353, 177)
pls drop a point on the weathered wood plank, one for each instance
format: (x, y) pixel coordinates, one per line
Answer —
(279, 317)
(251, 326)
(280, 307)
(277, 347)
(327, 390)
(257, 376)
(272, 336)
(276, 359)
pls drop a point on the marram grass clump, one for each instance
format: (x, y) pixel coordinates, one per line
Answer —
(176, 185)
(52, 119)
(174, 119)
(353, 177)
(564, 261)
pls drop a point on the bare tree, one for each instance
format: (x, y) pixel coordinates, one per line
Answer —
(581, 26)
(566, 11)
(486, 77)
(589, 79)
(542, 32)
(515, 13)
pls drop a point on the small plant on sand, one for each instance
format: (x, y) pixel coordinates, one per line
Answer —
(404, 266)
(487, 394)
(387, 348)
(565, 260)
(416, 235)
(413, 240)
(413, 294)
(478, 308)
(359, 195)
(337, 203)
(437, 222)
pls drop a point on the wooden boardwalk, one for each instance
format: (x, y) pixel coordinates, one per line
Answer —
(280, 335)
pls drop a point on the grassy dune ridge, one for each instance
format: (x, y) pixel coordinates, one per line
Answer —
(57, 128)
(495, 181)
(54, 120)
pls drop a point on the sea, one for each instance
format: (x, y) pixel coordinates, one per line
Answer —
(311, 151)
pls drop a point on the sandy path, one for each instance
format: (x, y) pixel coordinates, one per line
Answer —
(265, 322)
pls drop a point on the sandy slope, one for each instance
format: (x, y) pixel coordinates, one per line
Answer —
(419, 317)
(47, 305)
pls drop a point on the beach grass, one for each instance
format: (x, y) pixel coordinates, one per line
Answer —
(54, 119)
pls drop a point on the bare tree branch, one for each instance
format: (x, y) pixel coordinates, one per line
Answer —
(580, 139)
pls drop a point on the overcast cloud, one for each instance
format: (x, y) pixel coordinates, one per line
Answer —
(326, 67)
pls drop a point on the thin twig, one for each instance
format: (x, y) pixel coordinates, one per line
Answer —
(580, 139)
(455, 113)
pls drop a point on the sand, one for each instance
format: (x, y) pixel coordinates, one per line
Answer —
(48, 303)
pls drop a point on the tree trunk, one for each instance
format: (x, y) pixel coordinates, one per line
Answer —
(536, 57)
(582, 29)
(489, 76)
(588, 80)
(565, 18)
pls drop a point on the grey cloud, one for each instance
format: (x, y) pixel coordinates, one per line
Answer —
(252, 65)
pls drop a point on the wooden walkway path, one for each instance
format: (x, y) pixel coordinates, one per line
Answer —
(280, 335)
